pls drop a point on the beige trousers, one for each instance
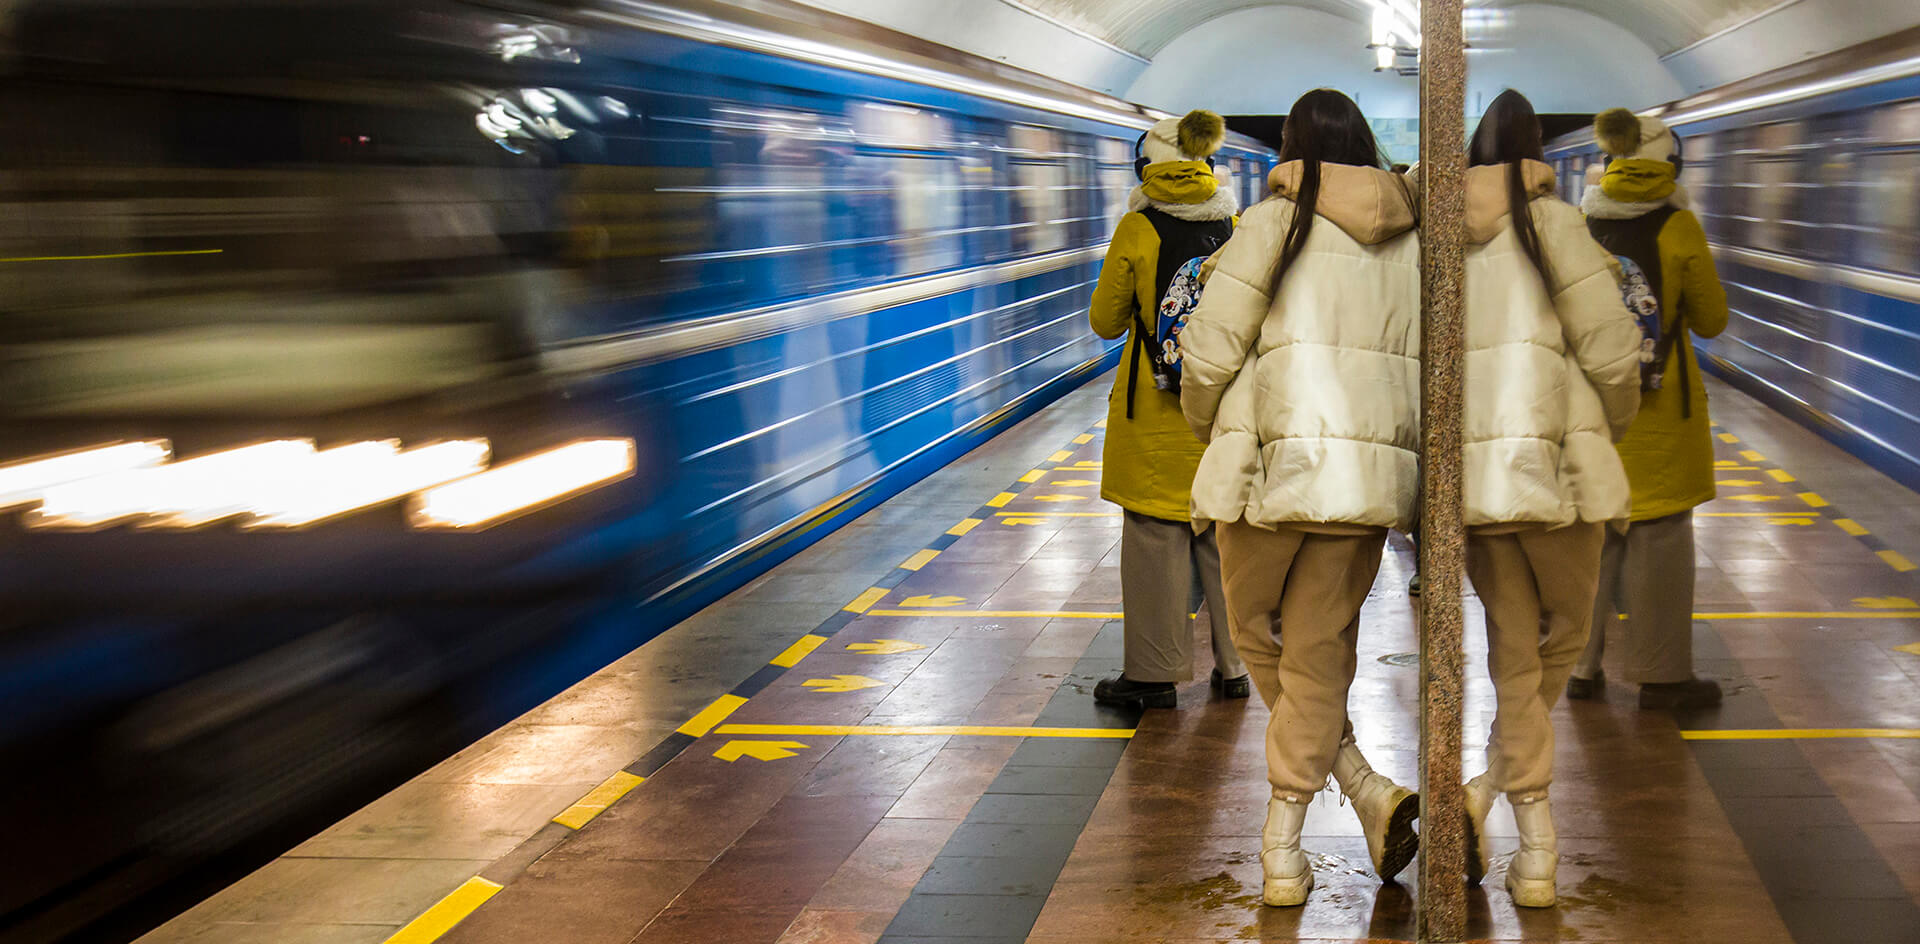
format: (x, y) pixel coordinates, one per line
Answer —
(1647, 574)
(1537, 586)
(1165, 571)
(1293, 601)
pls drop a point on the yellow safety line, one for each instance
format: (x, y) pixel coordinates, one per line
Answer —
(598, 799)
(798, 651)
(1752, 456)
(1033, 476)
(1083, 439)
(1729, 438)
(1091, 614)
(1896, 560)
(919, 559)
(1100, 425)
(998, 614)
(1871, 614)
(115, 255)
(448, 912)
(1757, 514)
(1851, 526)
(1113, 514)
(1000, 500)
(964, 526)
(1813, 500)
(1059, 457)
(712, 715)
(1797, 734)
(1781, 475)
(867, 598)
(972, 730)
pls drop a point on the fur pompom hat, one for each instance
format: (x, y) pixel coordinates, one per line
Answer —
(1192, 137)
(1622, 133)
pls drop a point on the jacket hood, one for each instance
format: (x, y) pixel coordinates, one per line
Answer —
(1367, 203)
(1633, 187)
(1184, 190)
(1487, 205)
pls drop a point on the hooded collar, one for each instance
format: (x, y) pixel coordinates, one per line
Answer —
(1633, 187)
(1185, 190)
(1487, 203)
(1367, 203)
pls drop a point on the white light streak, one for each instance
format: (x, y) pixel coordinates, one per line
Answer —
(201, 489)
(351, 478)
(23, 483)
(520, 486)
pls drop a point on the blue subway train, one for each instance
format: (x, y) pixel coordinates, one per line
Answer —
(1807, 181)
(345, 255)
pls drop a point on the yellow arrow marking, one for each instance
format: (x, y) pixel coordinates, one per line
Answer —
(842, 683)
(1059, 498)
(1074, 483)
(926, 599)
(1739, 483)
(1912, 647)
(1016, 522)
(1753, 498)
(884, 647)
(1885, 603)
(1781, 475)
(1790, 521)
(758, 750)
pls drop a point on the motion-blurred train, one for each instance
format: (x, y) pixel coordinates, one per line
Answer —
(1807, 181)
(795, 261)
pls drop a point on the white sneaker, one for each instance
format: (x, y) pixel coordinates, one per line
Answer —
(1386, 810)
(1288, 876)
(1480, 796)
(1530, 874)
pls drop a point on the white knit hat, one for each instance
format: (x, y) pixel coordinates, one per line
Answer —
(1622, 133)
(1194, 137)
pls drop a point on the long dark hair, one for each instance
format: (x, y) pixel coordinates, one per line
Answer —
(1510, 133)
(1324, 126)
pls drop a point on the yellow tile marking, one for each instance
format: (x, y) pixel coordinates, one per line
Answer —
(1752, 456)
(1094, 614)
(920, 559)
(1781, 475)
(1813, 500)
(964, 526)
(1912, 647)
(1000, 614)
(1000, 500)
(1756, 497)
(1083, 439)
(1756, 514)
(1739, 483)
(972, 730)
(713, 714)
(1797, 614)
(1729, 438)
(1108, 514)
(1033, 476)
(1897, 561)
(446, 913)
(1100, 425)
(115, 255)
(1798, 734)
(1059, 457)
(1851, 526)
(1886, 603)
(798, 651)
(598, 799)
(866, 599)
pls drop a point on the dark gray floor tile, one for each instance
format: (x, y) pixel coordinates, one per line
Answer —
(995, 875)
(1051, 781)
(969, 916)
(1013, 839)
(1046, 810)
(1068, 752)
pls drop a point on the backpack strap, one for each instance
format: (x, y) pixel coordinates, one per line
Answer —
(1671, 343)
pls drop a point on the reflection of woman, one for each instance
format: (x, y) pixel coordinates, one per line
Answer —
(1301, 368)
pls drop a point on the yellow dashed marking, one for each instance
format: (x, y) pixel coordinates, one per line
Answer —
(920, 559)
(866, 599)
(1752, 456)
(1813, 500)
(1061, 456)
(1798, 734)
(1851, 526)
(1000, 500)
(1756, 514)
(713, 714)
(1100, 425)
(1897, 561)
(596, 801)
(964, 526)
(1083, 439)
(1729, 438)
(972, 730)
(1792, 614)
(448, 912)
(1781, 475)
(1033, 476)
(1912, 647)
(798, 651)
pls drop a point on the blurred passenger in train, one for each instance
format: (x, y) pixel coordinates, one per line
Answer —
(1178, 213)
(1638, 210)
(1552, 378)
(1302, 373)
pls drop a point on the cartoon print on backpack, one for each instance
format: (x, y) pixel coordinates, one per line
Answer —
(1183, 296)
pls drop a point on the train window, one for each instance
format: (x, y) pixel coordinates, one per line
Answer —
(908, 154)
(1897, 125)
(1890, 209)
(1039, 189)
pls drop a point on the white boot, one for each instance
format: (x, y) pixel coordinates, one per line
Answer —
(1386, 810)
(1288, 876)
(1481, 792)
(1530, 875)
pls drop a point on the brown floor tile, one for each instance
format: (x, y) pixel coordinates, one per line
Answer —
(738, 923)
(815, 926)
(880, 874)
(581, 901)
(955, 779)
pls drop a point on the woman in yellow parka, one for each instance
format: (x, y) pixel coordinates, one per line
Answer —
(1639, 210)
(1179, 212)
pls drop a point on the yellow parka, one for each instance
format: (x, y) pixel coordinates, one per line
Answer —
(1149, 461)
(1668, 455)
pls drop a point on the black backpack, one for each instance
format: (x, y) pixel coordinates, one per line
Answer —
(1637, 241)
(1183, 243)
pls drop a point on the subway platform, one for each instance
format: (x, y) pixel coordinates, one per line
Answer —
(892, 738)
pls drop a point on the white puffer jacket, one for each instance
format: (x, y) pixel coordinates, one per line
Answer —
(1309, 400)
(1552, 368)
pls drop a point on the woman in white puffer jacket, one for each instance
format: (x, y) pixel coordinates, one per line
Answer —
(1301, 371)
(1552, 379)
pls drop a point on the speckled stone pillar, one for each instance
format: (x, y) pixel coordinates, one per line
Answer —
(1443, 545)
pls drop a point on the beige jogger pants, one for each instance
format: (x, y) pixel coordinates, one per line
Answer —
(1647, 574)
(1293, 602)
(1537, 586)
(1165, 571)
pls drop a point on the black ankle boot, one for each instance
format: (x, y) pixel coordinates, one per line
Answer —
(1240, 686)
(1580, 689)
(1127, 693)
(1692, 693)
